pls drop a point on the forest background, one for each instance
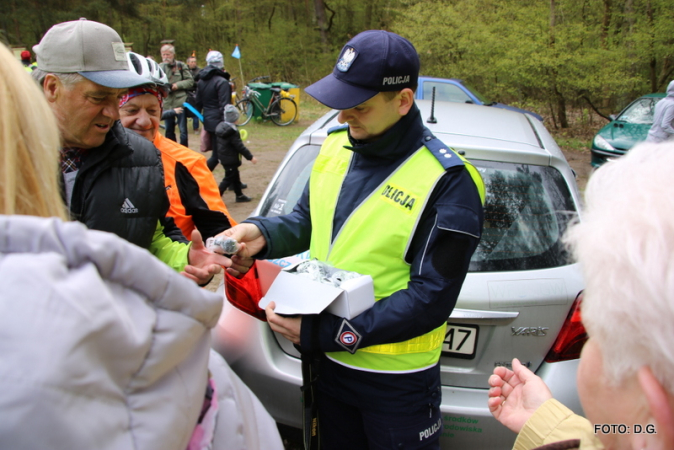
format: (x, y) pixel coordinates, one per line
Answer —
(560, 58)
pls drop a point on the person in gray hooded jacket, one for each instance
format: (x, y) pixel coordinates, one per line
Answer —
(663, 118)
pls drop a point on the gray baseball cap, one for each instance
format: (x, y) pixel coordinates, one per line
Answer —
(92, 49)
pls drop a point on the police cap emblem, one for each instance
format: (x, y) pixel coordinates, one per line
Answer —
(348, 56)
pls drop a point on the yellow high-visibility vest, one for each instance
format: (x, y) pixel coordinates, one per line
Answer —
(375, 239)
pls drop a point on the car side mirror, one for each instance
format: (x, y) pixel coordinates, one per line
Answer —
(612, 117)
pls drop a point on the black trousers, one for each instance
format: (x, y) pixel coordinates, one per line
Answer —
(232, 179)
(344, 426)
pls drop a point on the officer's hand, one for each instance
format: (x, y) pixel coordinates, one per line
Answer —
(288, 327)
(248, 236)
(240, 265)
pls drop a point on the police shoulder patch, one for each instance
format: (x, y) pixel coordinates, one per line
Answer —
(338, 128)
(444, 154)
(348, 338)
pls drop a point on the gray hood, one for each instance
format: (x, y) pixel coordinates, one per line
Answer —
(670, 89)
(103, 346)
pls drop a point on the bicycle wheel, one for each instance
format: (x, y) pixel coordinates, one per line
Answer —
(246, 111)
(283, 111)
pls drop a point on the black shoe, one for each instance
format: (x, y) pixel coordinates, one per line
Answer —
(243, 186)
(242, 198)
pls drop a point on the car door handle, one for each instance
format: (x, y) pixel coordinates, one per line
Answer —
(481, 317)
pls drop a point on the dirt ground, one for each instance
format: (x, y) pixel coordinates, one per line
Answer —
(580, 163)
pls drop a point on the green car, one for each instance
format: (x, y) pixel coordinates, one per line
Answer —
(625, 130)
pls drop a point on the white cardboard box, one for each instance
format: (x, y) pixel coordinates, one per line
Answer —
(295, 294)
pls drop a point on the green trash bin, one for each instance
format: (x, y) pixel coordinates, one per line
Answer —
(292, 89)
(264, 91)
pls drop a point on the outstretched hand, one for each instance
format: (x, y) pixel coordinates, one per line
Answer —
(515, 395)
(249, 237)
(203, 263)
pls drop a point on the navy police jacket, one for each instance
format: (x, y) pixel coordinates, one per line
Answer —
(438, 258)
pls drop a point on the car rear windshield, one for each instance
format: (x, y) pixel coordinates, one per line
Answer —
(287, 188)
(527, 210)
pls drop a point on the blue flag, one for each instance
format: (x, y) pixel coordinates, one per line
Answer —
(236, 53)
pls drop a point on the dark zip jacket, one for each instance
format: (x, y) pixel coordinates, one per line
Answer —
(213, 93)
(230, 145)
(119, 188)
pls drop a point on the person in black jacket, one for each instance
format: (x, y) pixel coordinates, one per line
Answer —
(213, 94)
(230, 149)
(112, 179)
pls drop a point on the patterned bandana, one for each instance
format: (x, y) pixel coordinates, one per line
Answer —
(136, 91)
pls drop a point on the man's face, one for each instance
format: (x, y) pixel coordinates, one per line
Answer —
(371, 119)
(142, 114)
(85, 113)
(167, 56)
(192, 63)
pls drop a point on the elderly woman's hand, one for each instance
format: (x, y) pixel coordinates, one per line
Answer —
(515, 395)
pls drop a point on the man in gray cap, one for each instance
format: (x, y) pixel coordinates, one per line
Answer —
(387, 199)
(112, 178)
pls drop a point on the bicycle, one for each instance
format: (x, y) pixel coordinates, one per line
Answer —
(282, 109)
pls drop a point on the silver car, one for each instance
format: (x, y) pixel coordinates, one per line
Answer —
(518, 300)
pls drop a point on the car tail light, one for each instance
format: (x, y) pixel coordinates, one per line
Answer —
(245, 292)
(571, 337)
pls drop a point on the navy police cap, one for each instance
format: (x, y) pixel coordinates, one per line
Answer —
(374, 61)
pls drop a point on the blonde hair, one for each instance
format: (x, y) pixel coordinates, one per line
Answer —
(29, 145)
(625, 244)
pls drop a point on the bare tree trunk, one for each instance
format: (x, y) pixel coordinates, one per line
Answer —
(561, 109)
(322, 22)
(652, 63)
(17, 28)
(606, 23)
(308, 11)
(560, 102)
(239, 25)
(369, 13)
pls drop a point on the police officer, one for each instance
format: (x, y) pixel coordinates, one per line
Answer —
(387, 199)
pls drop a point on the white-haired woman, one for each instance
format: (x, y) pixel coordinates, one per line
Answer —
(103, 346)
(625, 243)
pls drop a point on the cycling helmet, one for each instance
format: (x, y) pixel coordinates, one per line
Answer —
(149, 70)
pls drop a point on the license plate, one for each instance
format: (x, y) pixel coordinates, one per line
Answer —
(460, 341)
